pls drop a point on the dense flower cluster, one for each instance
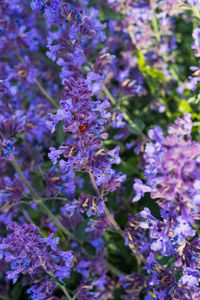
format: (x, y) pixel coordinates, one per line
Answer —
(37, 257)
(172, 173)
(82, 84)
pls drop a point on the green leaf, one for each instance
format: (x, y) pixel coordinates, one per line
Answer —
(73, 280)
(184, 107)
(194, 100)
(136, 126)
(147, 70)
(89, 249)
(81, 234)
(152, 294)
(16, 291)
(140, 124)
(155, 73)
(141, 60)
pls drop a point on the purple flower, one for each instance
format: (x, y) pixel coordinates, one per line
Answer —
(140, 188)
(189, 280)
(54, 155)
(183, 228)
(171, 166)
(30, 255)
(10, 125)
(51, 242)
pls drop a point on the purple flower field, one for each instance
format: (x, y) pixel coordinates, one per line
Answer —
(99, 150)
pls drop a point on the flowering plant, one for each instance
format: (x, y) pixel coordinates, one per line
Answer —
(99, 149)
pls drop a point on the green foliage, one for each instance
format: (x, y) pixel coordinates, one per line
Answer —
(80, 230)
(16, 292)
(89, 249)
(147, 70)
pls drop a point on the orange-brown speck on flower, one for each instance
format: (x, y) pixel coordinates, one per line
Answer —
(83, 127)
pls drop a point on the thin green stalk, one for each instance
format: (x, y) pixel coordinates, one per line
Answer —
(32, 201)
(23, 178)
(42, 90)
(57, 222)
(108, 214)
(155, 28)
(123, 110)
(155, 22)
(132, 36)
(27, 217)
(108, 94)
(93, 181)
(132, 124)
(43, 199)
(48, 97)
(4, 297)
(112, 221)
(65, 291)
(112, 268)
(196, 12)
(54, 198)
(115, 104)
(36, 197)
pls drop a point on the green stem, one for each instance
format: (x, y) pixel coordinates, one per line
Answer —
(93, 181)
(196, 12)
(123, 111)
(42, 90)
(132, 124)
(21, 175)
(27, 217)
(108, 94)
(4, 297)
(110, 217)
(36, 197)
(32, 201)
(114, 103)
(55, 198)
(65, 292)
(132, 36)
(56, 222)
(155, 28)
(154, 22)
(107, 213)
(112, 221)
(112, 268)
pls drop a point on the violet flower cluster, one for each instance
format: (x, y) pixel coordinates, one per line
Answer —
(29, 254)
(87, 90)
(172, 177)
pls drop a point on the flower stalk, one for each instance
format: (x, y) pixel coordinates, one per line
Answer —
(37, 198)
